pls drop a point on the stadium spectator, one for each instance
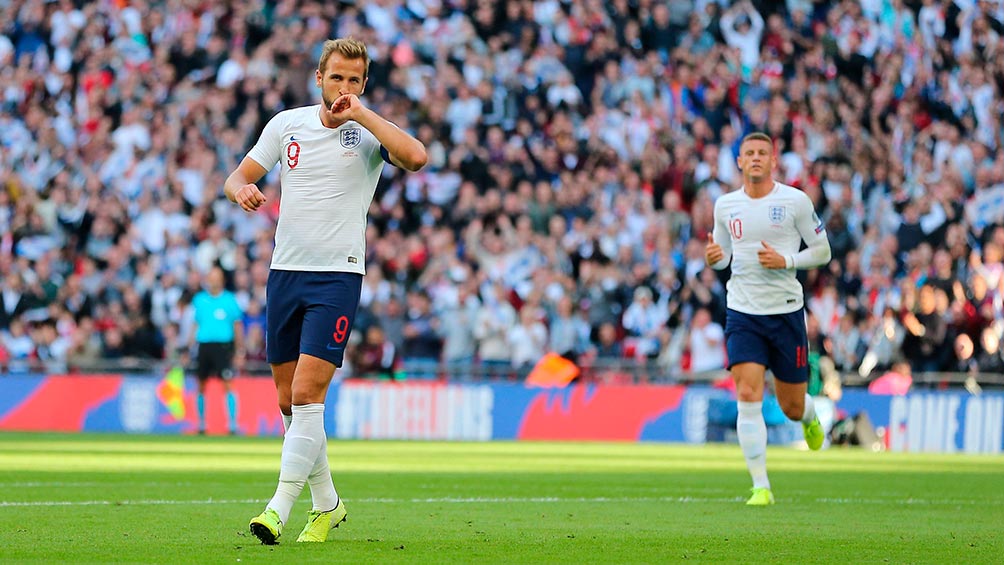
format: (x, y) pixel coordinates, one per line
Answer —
(494, 321)
(927, 333)
(706, 344)
(845, 343)
(422, 344)
(459, 343)
(989, 357)
(643, 322)
(375, 356)
(527, 340)
(568, 333)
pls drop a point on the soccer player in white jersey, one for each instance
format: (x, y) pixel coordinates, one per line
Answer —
(331, 156)
(759, 229)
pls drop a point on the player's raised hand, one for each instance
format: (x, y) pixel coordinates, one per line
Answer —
(769, 258)
(346, 107)
(249, 197)
(713, 252)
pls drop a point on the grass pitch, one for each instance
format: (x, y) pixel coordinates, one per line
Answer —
(133, 499)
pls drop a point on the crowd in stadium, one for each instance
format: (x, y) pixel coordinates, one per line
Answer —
(576, 149)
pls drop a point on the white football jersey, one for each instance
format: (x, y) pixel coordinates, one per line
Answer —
(327, 180)
(783, 219)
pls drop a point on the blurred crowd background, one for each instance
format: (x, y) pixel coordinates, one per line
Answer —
(576, 149)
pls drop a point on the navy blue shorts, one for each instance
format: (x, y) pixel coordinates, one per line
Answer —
(310, 312)
(776, 341)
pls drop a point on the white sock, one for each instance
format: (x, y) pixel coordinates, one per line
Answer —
(752, 431)
(322, 491)
(810, 410)
(300, 447)
(287, 420)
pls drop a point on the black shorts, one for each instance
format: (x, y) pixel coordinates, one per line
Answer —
(216, 359)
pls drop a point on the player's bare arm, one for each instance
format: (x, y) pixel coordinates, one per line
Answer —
(405, 151)
(240, 186)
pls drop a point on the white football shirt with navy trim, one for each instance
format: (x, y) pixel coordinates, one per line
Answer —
(327, 179)
(783, 218)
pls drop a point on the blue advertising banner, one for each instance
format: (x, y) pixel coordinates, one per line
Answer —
(922, 421)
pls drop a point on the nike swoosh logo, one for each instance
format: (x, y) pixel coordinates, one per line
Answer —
(334, 348)
(292, 138)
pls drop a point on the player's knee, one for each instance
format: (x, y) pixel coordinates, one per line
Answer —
(747, 394)
(307, 393)
(793, 409)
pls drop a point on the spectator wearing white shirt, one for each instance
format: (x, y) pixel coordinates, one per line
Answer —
(707, 343)
(565, 92)
(528, 339)
(232, 70)
(495, 319)
(643, 321)
(742, 27)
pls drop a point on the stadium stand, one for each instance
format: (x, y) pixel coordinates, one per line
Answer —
(576, 150)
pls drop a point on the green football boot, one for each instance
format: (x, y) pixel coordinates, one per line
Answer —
(320, 523)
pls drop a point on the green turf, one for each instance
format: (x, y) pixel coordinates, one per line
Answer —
(133, 499)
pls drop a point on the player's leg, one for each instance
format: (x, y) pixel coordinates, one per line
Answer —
(792, 398)
(322, 490)
(327, 324)
(303, 442)
(790, 364)
(283, 320)
(751, 428)
(747, 351)
(305, 457)
(282, 374)
(319, 479)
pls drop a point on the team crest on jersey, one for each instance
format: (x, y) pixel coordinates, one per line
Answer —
(351, 137)
(776, 214)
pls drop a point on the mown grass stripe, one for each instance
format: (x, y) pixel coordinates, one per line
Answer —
(494, 500)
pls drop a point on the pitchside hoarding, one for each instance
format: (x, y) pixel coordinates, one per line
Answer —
(931, 421)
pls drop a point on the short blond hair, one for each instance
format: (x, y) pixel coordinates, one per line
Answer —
(757, 136)
(346, 47)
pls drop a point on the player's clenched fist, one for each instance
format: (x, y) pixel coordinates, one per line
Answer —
(769, 258)
(713, 252)
(249, 197)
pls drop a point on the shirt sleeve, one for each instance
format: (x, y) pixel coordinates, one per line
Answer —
(722, 237)
(812, 231)
(810, 227)
(267, 151)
